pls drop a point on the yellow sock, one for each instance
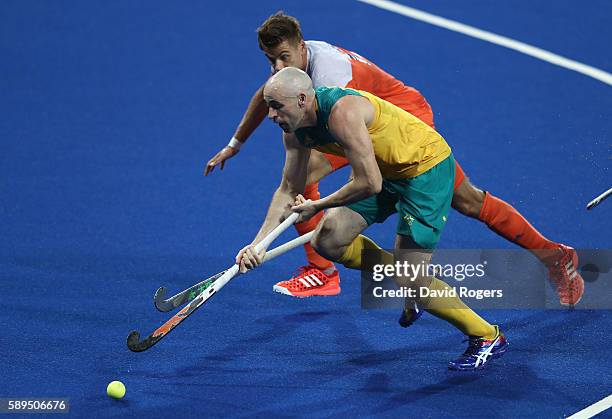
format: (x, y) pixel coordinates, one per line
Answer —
(352, 255)
(454, 311)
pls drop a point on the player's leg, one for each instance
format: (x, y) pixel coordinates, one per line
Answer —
(446, 305)
(499, 216)
(423, 209)
(336, 233)
(319, 166)
(336, 238)
(505, 220)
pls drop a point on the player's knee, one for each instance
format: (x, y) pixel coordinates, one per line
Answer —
(323, 241)
(324, 248)
(468, 199)
(327, 226)
(423, 281)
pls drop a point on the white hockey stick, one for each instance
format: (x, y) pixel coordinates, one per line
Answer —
(133, 340)
(599, 199)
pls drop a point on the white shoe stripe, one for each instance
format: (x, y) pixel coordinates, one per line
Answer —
(482, 358)
(305, 283)
(310, 281)
(317, 279)
(573, 275)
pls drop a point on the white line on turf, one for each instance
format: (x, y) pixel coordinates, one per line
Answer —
(503, 41)
(593, 409)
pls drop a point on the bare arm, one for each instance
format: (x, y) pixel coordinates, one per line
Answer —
(292, 184)
(252, 118)
(348, 124)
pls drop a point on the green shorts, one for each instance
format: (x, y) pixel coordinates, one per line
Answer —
(422, 202)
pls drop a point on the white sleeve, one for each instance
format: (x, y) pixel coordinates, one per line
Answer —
(327, 65)
(338, 76)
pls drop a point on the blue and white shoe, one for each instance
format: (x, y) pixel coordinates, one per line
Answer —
(479, 352)
(409, 316)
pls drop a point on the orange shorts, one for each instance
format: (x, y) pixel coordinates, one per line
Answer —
(459, 175)
(336, 162)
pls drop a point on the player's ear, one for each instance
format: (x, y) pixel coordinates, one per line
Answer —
(301, 100)
(302, 49)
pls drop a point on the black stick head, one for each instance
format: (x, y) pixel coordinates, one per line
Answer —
(132, 340)
(136, 345)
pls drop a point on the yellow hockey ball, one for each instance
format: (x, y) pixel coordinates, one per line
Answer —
(115, 389)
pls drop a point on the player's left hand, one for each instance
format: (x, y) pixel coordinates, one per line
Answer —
(247, 258)
(305, 207)
(220, 158)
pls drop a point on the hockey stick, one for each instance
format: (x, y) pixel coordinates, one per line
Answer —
(133, 340)
(600, 198)
(187, 295)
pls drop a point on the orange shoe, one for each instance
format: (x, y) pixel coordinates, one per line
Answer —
(564, 274)
(310, 281)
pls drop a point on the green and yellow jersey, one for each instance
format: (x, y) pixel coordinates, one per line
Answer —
(404, 146)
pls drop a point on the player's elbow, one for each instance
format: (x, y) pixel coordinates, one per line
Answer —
(371, 185)
(286, 189)
(294, 189)
(376, 185)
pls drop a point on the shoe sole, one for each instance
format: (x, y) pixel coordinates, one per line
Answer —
(319, 293)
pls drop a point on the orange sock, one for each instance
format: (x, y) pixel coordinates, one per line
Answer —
(506, 221)
(312, 192)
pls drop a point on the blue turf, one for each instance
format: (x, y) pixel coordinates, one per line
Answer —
(109, 113)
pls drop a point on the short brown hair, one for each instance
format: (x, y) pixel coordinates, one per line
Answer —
(278, 28)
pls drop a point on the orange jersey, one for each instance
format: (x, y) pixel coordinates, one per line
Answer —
(329, 65)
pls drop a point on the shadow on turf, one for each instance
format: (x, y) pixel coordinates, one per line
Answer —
(358, 379)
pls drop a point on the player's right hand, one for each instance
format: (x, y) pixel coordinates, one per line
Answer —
(219, 159)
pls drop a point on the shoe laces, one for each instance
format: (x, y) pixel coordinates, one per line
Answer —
(306, 270)
(474, 346)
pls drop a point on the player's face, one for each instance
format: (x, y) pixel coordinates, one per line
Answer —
(284, 112)
(287, 54)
